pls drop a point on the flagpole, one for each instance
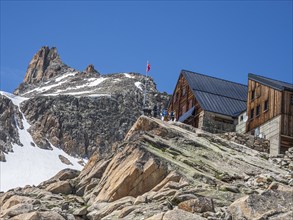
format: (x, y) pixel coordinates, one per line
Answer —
(145, 85)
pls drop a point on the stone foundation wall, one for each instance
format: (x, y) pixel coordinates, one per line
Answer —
(271, 130)
(208, 122)
(259, 144)
(241, 125)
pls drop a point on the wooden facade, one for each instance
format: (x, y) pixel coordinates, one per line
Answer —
(287, 119)
(215, 105)
(192, 93)
(264, 103)
(183, 100)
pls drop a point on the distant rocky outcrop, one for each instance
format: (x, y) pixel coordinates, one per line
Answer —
(91, 69)
(161, 171)
(45, 64)
(10, 120)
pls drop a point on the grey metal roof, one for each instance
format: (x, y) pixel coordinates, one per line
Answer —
(220, 104)
(217, 95)
(276, 84)
(187, 114)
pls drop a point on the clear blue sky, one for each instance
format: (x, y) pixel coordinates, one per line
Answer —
(224, 39)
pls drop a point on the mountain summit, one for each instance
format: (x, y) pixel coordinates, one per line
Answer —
(78, 112)
(45, 64)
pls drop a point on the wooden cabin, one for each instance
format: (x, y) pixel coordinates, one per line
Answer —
(270, 111)
(206, 102)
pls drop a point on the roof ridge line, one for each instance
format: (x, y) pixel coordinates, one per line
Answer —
(225, 80)
(269, 78)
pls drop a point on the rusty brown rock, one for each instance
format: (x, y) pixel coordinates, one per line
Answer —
(132, 172)
(200, 204)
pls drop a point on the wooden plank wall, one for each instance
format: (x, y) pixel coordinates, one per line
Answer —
(183, 100)
(287, 121)
(287, 114)
(262, 93)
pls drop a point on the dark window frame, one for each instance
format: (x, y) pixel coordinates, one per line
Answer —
(257, 111)
(176, 97)
(184, 91)
(253, 94)
(258, 91)
(252, 113)
(266, 106)
(241, 118)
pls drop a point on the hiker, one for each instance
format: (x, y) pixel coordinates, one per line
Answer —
(164, 114)
(172, 115)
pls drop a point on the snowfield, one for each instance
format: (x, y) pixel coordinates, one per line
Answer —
(30, 165)
(92, 82)
(66, 75)
(128, 75)
(16, 100)
(138, 85)
(44, 88)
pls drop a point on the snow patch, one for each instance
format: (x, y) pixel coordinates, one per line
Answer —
(92, 82)
(65, 76)
(78, 94)
(30, 165)
(99, 95)
(16, 100)
(45, 88)
(128, 75)
(138, 85)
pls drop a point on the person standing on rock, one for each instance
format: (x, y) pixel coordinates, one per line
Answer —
(164, 114)
(172, 115)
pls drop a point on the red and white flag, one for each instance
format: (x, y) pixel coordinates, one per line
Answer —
(148, 67)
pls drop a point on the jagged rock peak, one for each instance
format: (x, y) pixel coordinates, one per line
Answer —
(91, 69)
(45, 64)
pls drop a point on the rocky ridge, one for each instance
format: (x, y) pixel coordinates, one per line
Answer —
(45, 64)
(80, 112)
(162, 171)
(257, 143)
(11, 119)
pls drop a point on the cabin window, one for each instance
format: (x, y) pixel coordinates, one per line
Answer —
(266, 105)
(183, 91)
(183, 110)
(241, 118)
(258, 91)
(257, 110)
(291, 99)
(190, 104)
(252, 94)
(175, 97)
(252, 113)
